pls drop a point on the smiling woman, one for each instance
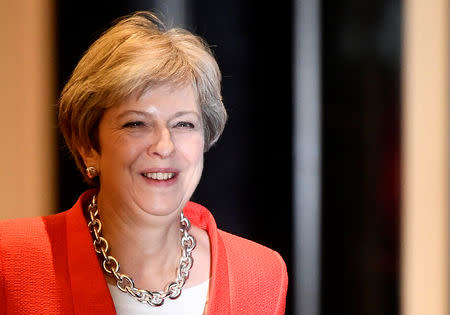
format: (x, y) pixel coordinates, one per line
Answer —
(140, 110)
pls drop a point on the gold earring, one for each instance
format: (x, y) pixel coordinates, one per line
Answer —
(91, 172)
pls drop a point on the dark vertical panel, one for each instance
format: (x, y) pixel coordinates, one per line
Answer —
(247, 177)
(361, 104)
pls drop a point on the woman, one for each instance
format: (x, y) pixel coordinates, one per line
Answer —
(139, 111)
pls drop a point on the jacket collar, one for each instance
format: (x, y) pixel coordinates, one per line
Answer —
(89, 289)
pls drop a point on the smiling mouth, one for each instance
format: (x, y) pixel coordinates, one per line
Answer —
(159, 176)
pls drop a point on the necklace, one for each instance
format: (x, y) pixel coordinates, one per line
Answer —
(125, 283)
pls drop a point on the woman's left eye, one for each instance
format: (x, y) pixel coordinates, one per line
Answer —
(185, 124)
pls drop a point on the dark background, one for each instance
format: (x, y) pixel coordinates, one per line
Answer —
(361, 48)
(248, 174)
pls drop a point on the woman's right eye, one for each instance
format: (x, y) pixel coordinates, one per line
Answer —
(133, 124)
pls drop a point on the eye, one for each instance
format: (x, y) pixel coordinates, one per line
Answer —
(185, 124)
(133, 124)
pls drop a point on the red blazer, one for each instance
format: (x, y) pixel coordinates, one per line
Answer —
(48, 266)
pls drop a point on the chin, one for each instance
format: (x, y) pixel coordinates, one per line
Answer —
(163, 208)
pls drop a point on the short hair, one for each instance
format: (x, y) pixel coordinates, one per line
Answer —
(135, 54)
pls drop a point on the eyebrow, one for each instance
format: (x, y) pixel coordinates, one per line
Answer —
(136, 112)
(146, 114)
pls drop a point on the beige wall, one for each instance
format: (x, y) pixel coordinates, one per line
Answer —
(27, 127)
(425, 245)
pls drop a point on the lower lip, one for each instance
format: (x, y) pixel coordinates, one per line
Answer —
(160, 183)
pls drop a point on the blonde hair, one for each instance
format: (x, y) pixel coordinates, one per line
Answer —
(132, 56)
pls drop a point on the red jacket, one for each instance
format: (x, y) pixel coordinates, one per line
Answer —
(48, 266)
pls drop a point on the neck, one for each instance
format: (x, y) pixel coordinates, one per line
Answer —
(146, 246)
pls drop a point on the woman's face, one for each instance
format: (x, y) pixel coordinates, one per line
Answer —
(151, 150)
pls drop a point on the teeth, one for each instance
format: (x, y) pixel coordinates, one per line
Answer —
(159, 176)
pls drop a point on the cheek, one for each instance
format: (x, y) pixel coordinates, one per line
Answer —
(192, 148)
(196, 150)
(120, 151)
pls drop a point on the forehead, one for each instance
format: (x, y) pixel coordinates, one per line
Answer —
(162, 99)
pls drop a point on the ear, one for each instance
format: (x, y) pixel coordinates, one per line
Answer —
(90, 157)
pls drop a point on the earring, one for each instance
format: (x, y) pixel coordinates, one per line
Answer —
(91, 172)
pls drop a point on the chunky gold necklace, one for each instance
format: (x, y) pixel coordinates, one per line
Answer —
(124, 282)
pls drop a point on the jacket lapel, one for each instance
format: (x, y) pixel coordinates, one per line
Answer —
(219, 289)
(89, 289)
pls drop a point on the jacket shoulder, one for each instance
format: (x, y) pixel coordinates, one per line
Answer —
(23, 232)
(29, 251)
(254, 251)
(27, 233)
(255, 272)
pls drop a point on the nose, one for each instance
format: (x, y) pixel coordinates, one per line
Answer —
(163, 145)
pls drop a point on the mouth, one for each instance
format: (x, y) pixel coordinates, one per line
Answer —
(160, 176)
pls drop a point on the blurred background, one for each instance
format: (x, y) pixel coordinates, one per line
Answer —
(348, 257)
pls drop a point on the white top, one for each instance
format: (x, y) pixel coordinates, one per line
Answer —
(192, 301)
